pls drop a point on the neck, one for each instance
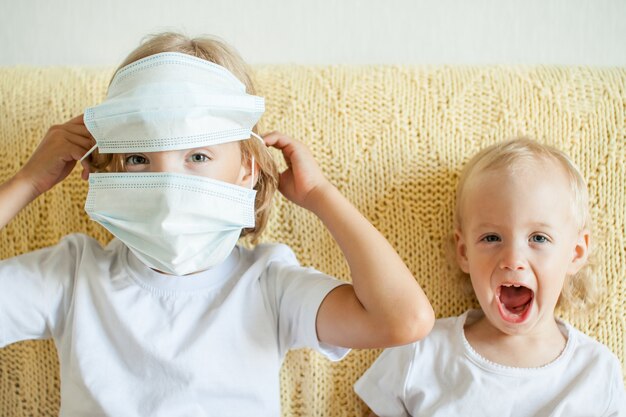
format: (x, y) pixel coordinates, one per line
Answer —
(529, 350)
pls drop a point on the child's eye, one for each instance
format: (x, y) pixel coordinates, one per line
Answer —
(538, 239)
(135, 160)
(491, 238)
(199, 157)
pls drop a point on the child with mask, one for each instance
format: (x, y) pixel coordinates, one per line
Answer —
(172, 318)
(522, 235)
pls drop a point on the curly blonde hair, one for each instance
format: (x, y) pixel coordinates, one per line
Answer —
(581, 290)
(218, 52)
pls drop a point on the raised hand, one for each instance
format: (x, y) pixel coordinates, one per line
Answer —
(52, 161)
(385, 305)
(303, 179)
(56, 155)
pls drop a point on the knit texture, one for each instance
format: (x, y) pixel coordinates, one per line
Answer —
(393, 140)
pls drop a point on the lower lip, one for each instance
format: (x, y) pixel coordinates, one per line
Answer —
(512, 317)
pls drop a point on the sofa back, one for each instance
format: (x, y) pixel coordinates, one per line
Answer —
(393, 140)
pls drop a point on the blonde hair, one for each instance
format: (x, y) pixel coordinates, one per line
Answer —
(218, 52)
(581, 290)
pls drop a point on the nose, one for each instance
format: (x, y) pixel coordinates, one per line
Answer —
(512, 258)
(165, 162)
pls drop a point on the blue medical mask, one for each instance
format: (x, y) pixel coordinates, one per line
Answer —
(174, 223)
(172, 101)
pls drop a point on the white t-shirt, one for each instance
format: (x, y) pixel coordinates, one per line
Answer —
(443, 376)
(134, 342)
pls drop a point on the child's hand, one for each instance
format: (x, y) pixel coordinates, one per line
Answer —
(384, 306)
(303, 178)
(57, 154)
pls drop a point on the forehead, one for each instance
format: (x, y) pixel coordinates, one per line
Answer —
(536, 191)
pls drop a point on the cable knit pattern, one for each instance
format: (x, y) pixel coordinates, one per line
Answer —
(393, 139)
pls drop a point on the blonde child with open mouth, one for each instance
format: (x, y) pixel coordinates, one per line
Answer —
(522, 234)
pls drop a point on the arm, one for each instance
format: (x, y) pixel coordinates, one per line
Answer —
(51, 162)
(385, 306)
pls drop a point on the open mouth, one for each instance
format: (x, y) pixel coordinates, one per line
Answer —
(514, 302)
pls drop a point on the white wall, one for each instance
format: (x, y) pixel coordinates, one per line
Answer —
(101, 32)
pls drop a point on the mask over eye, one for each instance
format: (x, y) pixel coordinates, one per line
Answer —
(173, 223)
(172, 101)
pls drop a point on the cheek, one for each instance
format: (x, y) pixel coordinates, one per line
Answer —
(226, 172)
(549, 292)
(231, 168)
(480, 270)
(479, 261)
(483, 266)
(551, 272)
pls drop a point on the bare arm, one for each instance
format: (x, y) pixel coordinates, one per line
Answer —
(51, 162)
(385, 306)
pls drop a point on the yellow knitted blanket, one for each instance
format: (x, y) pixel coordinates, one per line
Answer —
(393, 139)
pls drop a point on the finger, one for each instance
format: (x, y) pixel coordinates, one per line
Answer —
(273, 132)
(79, 140)
(78, 130)
(86, 170)
(284, 143)
(77, 120)
(86, 165)
(73, 153)
(74, 133)
(276, 139)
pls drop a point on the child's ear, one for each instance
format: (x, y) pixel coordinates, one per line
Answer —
(461, 251)
(581, 252)
(249, 174)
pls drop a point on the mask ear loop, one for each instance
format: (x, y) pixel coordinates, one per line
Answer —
(258, 137)
(93, 148)
(253, 164)
(252, 178)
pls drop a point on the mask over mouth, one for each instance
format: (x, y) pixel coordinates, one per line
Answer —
(174, 223)
(172, 101)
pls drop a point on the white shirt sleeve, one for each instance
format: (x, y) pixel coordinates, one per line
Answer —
(382, 386)
(34, 290)
(616, 393)
(298, 293)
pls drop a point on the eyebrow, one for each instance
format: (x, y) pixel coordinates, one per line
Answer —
(486, 225)
(210, 149)
(493, 225)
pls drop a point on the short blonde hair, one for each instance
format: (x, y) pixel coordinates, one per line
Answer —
(218, 52)
(582, 289)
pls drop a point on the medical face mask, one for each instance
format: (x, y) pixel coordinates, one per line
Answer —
(172, 101)
(174, 223)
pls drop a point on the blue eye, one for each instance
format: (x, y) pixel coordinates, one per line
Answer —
(199, 157)
(491, 238)
(538, 239)
(135, 160)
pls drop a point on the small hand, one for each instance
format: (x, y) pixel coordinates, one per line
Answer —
(56, 155)
(303, 177)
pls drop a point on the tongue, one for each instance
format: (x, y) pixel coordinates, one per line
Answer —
(514, 297)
